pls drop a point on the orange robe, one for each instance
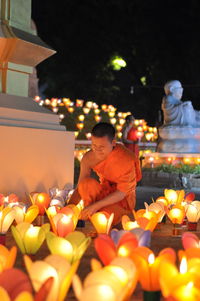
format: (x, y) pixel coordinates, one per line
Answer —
(132, 135)
(116, 172)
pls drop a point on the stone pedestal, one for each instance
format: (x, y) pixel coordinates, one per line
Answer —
(179, 139)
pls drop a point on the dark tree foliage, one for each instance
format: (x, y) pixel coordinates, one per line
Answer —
(159, 40)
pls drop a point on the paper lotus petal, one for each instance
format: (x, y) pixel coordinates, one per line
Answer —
(54, 266)
(107, 250)
(72, 247)
(7, 258)
(149, 271)
(7, 216)
(111, 283)
(28, 216)
(190, 196)
(193, 211)
(190, 240)
(29, 238)
(14, 282)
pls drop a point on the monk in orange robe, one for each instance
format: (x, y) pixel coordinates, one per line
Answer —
(130, 140)
(116, 168)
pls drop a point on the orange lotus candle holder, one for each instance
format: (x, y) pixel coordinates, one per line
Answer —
(148, 266)
(147, 220)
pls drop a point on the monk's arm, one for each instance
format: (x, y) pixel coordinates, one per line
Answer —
(85, 171)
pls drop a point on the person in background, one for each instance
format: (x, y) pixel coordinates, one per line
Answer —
(130, 140)
(115, 166)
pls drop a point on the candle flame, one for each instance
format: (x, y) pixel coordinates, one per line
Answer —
(102, 219)
(183, 265)
(122, 251)
(151, 258)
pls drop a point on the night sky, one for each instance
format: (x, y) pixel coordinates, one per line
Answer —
(159, 40)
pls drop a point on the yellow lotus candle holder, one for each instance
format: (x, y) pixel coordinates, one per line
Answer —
(72, 247)
(54, 266)
(23, 215)
(182, 284)
(29, 238)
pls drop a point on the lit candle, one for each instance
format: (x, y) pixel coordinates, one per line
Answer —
(101, 222)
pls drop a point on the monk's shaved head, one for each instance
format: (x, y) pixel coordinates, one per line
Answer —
(104, 129)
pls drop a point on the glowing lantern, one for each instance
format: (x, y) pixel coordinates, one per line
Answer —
(113, 120)
(120, 244)
(72, 247)
(29, 238)
(97, 118)
(148, 266)
(81, 117)
(176, 214)
(111, 114)
(97, 111)
(118, 127)
(89, 104)
(70, 109)
(7, 216)
(54, 266)
(79, 102)
(42, 200)
(62, 224)
(193, 214)
(55, 110)
(102, 222)
(80, 126)
(7, 257)
(121, 121)
(25, 216)
(180, 284)
(190, 241)
(66, 101)
(86, 110)
(88, 136)
(119, 135)
(158, 208)
(114, 282)
(76, 134)
(104, 107)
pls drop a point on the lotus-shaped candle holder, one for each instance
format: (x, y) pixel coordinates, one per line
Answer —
(23, 215)
(54, 266)
(102, 222)
(15, 285)
(29, 238)
(72, 247)
(123, 246)
(116, 281)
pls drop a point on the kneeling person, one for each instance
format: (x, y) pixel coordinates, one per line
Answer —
(117, 171)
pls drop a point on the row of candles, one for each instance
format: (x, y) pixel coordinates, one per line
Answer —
(153, 160)
(116, 119)
(124, 253)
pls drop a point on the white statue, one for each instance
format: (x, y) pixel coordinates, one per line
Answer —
(175, 111)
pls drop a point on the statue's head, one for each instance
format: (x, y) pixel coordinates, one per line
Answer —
(174, 88)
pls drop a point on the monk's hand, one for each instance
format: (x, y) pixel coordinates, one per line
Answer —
(89, 211)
